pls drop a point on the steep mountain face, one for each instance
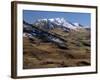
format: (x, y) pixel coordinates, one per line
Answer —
(32, 32)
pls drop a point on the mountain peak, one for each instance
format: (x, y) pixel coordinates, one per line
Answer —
(52, 23)
(53, 19)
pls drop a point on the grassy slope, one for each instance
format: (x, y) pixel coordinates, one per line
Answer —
(38, 54)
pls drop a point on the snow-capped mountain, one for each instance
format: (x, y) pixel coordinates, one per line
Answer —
(57, 23)
(54, 30)
(32, 31)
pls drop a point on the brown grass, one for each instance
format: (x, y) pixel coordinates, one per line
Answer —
(38, 54)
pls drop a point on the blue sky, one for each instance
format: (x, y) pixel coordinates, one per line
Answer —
(83, 18)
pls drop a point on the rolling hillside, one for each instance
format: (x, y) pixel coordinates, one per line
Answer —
(55, 47)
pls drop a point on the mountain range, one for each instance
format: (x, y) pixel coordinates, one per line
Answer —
(56, 42)
(52, 29)
(57, 23)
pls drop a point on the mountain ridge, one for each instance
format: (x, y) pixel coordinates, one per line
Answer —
(52, 23)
